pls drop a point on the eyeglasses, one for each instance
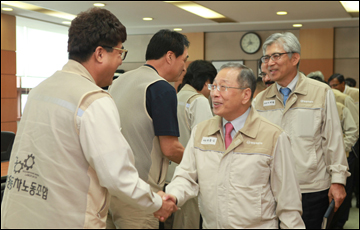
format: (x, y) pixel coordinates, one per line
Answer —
(221, 88)
(333, 85)
(123, 52)
(274, 57)
(262, 74)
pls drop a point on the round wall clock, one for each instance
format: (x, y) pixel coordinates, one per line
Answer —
(250, 42)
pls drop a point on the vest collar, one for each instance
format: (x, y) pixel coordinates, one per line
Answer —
(250, 129)
(77, 68)
(188, 87)
(300, 88)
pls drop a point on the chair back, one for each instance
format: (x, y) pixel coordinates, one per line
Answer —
(2, 190)
(7, 140)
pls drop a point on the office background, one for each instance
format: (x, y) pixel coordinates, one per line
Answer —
(331, 47)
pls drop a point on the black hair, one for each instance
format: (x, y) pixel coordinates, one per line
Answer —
(164, 41)
(338, 76)
(350, 82)
(198, 73)
(318, 78)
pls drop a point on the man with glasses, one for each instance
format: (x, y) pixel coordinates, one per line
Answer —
(337, 81)
(69, 154)
(307, 111)
(147, 105)
(238, 163)
(264, 74)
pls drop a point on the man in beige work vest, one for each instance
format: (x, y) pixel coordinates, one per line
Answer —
(306, 110)
(69, 155)
(147, 106)
(238, 163)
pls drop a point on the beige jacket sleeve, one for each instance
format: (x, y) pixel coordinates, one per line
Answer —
(350, 129)
(109, 154)
(285, 185)
(184, 184)
(333, 144)
(354, 110)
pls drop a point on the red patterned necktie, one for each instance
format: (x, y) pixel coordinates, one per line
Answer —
(228, 139)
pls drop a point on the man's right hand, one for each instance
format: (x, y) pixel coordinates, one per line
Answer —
(167, 208)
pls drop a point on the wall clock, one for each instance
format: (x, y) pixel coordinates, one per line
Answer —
(250, 42)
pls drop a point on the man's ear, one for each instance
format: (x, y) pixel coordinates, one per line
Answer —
(169, 56)
(99, 54)
(295, 58)
(247, 95)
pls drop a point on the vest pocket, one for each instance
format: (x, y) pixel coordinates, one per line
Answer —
(161, 171)
(164, 164)
(104, 208)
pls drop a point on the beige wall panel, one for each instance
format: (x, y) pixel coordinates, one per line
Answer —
(310, 65)
(8, 110)
(317, 43)
(253, 65)
(197, 46)
(136, 44)
(347, 42)
(226, 45)
(348, 68)
(127, 66)
(8, 32)
(9, 126)
(8, 62)
(8, 86)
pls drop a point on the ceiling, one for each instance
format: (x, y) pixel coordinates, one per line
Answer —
(249, 15)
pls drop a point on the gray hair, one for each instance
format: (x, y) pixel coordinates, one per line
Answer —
(316, 73)
(287, 40)
(246, 77)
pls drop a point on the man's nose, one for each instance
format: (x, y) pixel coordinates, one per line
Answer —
(214, 93)
(270, 62)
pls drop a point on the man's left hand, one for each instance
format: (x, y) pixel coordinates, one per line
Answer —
(338, 193)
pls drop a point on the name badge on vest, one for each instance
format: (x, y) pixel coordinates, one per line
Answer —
(208, 140)
(269, 103)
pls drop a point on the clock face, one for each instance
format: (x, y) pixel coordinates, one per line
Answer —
(250, 43)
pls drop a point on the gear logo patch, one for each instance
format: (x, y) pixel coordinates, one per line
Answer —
(29, 162)
(18, 166)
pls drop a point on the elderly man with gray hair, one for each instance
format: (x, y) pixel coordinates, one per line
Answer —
(238, 163)
(306, 110)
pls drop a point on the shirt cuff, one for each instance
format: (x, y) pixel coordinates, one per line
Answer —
(157, 203)
(175, 193)
(339, 178)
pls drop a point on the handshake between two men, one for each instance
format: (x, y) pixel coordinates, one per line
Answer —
(168, 206)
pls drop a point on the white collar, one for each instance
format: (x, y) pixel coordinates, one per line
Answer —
(238, 123)
(291, 85)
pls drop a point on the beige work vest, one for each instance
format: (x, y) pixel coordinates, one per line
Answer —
(354, 93)
(50, 182)
(186, 95)
(129, 94)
